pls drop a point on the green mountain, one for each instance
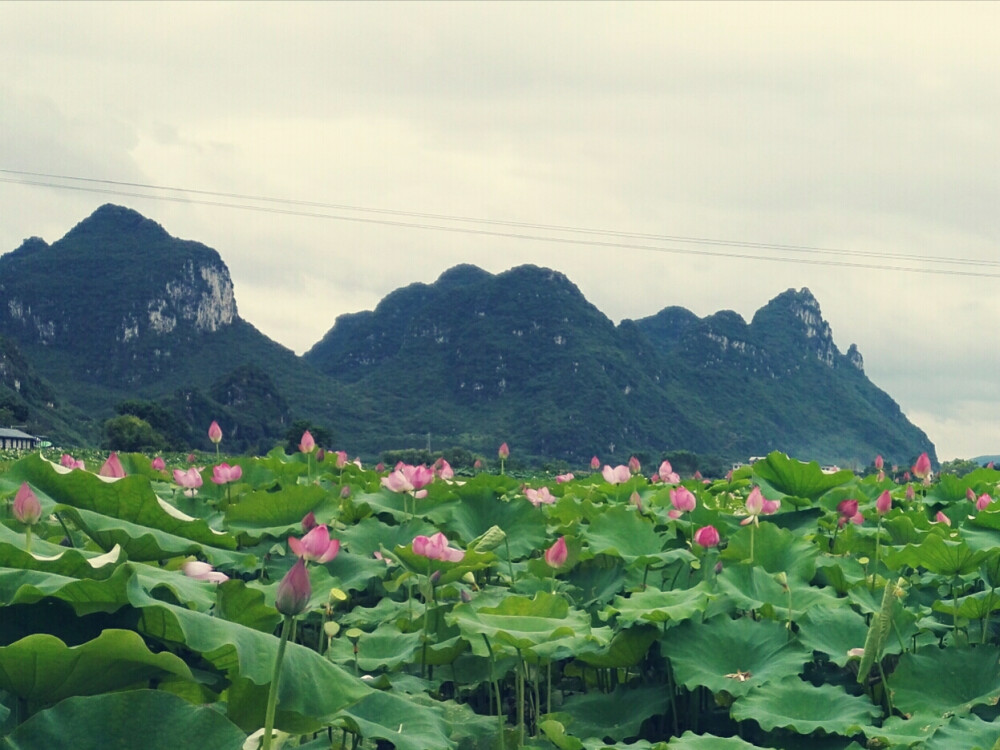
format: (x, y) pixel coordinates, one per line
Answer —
(120, 318)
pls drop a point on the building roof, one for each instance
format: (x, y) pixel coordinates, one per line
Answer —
(8, 433)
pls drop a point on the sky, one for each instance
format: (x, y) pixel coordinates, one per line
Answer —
(850, 148)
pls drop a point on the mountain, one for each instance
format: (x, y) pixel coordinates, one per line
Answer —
(118, 317)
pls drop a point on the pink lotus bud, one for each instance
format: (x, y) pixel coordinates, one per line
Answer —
(191, 458)
(910, 494)
(202, 571)
(555, 556)
(982, 501)
(294, 590)
(308, 522)
(341, 459)
(618, 475)
(379, 467)
(71, 463)
(636, 499)
(633, 465)
(27, 508)
(879, 462)
(307, 444)
(942, 518)
(884, 503)
(595, 463)
(158, 464)
(707, 536)
(465, 596)
(321, 455)
(315, 546)
(970, 495)
(345, 492)
(667, 474)
(112, 468)
(922, 468)
(504, 451)
(683, 499)
(755, 502)
(477, 464)
(215, 432)
(848, 510)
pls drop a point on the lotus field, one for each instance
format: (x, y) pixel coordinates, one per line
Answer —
(289, 601)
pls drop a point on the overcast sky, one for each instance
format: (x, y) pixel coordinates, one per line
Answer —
(864, 128)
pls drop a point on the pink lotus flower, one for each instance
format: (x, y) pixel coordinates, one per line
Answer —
(707, 536)
(595, 463)
(71, 463)
(879, 462)
(982, 501)
(682, 499)
(224, 473)
(189, 479)
(191, 458)
(562, 478)
(555, 556)
(636, 499)
(320, 455)
(294, 590)
(341, 461)
(540, 496)
(922, 468)
(884, 503)
(215, 432)
(618, 475)
(307, 444)
(202, 571)
(503, 452)
(112, 468)
(345, 491)
(436, 548)
(406, 478)
(308, 522)
(315, 546)
(757, 506)
(158, 464)
(910, 493)
(27, 508)
(443, 469)
(942, 518)
(667, 474)
(633, 465)
(380, 467)
(848, 510)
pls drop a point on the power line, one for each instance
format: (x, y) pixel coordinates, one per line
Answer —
(699, 241)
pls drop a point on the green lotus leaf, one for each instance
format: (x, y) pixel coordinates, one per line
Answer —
(600, 715)
(450, 571)
(938, 555)
(972, 607)
(626, 534)
(947, 489)
(43, 670)
(236, 602)
(84, 595)
(274, 513)
(396, 719)
(911, 732)
(691, 741)
(154, 719)
(943, 681)
(776, 550)
(129, 499)
(627, 648)
(596, 582)
(752, 587)
(836, 630)
(387, 647)
(732, 656)
(47, 557)
(798, 479)
(480, 509)
(369, 535)
(146, 543)
(523, 624)
(656, 606)
(967, 732)
(803, 708)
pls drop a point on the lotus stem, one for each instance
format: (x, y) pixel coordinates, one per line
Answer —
(496, 685)
(272, 695)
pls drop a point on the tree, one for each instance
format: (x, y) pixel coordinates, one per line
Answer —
(128, 433)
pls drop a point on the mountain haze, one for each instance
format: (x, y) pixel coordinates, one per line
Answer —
(118, 311)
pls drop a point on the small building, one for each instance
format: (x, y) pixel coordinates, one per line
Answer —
(11, 439)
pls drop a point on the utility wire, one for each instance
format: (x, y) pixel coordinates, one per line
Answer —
(510, 235)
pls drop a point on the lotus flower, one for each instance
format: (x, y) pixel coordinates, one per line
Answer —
(158, 464)
(595, 463)
(667, 474)
(202, 571)
(922, 468)
(27, 508)
(112, 468)
(307, 444)
(406, 478)
(884, 503)
(879, 462)
(910, 493)
(189, 479)
(308, 522)
(540, 496)
(562, 478)
(757, 506)
(224, 473)
(294, 590)
(618, 475)
(636, 499)
(942, 518)
(316, 545)
(848, 510)
(215, 432)
(682, 499)
(443, 469)
(982, 501)
(341, 461)
(436, 548)
(71, 463)
(707, 536)
(555, 556)
(503, 452)
(633, 465)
